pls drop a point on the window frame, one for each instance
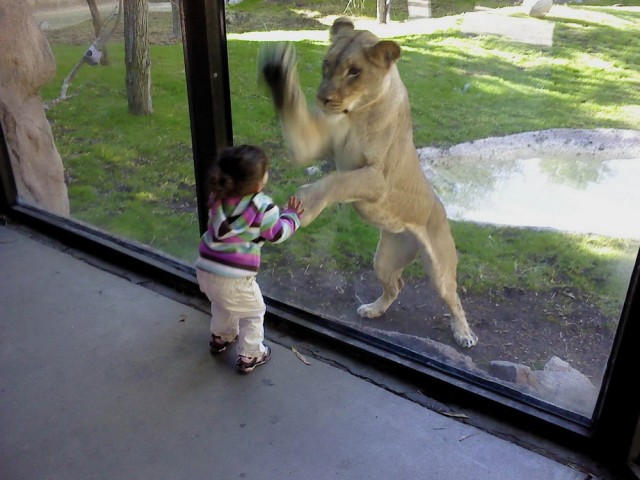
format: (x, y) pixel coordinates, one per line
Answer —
(607, 439)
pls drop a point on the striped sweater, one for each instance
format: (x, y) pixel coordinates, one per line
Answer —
(236, 231)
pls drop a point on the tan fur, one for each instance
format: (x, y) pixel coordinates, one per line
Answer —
(363, 121)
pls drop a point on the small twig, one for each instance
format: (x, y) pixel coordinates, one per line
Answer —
(455, 415)
(300, 356)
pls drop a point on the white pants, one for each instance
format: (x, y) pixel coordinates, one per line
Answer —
(237, 308)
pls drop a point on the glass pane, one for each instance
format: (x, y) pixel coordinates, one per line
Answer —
(128, 174)
(527, 130)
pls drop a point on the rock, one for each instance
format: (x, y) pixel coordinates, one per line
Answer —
(429, 348)
(563, 385)
(558, 384)
(599, 143)
(26, 65)
(537, 8)
(513, 373)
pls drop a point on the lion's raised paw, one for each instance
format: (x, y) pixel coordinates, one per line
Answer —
(275, 61)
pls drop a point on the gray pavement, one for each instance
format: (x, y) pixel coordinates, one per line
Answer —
(103, 378)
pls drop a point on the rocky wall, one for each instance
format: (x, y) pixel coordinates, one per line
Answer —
(26, 65)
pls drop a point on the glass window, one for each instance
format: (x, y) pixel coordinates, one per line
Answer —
(529, 139)
(129, 174)
(526, 129)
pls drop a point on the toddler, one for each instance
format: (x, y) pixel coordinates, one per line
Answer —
(241, 219)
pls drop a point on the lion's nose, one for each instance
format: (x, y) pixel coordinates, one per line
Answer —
(323, 99)
(326, 94)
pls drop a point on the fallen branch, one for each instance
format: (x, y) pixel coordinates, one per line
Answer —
(97, 45)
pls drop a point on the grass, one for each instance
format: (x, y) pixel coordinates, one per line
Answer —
(133, 176)
(591, 267)
(513, 88)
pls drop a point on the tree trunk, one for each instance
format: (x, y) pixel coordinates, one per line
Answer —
(136, 57)
(383, 11)
(97, 27)
(176, 31)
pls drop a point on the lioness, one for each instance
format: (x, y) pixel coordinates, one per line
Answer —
(364, 123)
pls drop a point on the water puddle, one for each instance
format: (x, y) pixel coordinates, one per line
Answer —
(583, 195)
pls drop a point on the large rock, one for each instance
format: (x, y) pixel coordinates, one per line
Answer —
(537, 8)
(26, 64)
(596, 144)
(558, 383)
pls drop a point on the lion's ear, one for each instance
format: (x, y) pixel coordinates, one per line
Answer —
(340, 24)
(384, 53)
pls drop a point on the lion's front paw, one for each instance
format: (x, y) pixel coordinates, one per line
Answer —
(313, 202)
(275, 62)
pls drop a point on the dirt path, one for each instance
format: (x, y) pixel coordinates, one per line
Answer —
(68, 16)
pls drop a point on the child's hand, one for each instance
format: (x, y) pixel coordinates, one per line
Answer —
(295, 205)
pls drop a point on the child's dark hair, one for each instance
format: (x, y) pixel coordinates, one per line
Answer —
(237, 171)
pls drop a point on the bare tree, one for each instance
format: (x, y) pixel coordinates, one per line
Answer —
(110, 25)
(136, 57)
(97, 28)
(176, 31)
(383, 11)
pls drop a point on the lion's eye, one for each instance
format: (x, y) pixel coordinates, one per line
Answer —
(353, 72)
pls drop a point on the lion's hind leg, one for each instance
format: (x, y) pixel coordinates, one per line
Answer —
(440, 258)
(395, 251)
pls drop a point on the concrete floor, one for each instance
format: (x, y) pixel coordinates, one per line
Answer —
(101, 377)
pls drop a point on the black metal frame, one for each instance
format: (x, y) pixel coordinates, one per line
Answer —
(618, 410)
(607, 439)
(206, 64)
(8, 191)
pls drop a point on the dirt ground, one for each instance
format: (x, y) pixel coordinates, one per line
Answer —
(512, 325)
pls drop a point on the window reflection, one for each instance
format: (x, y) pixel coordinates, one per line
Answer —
(543, 292)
